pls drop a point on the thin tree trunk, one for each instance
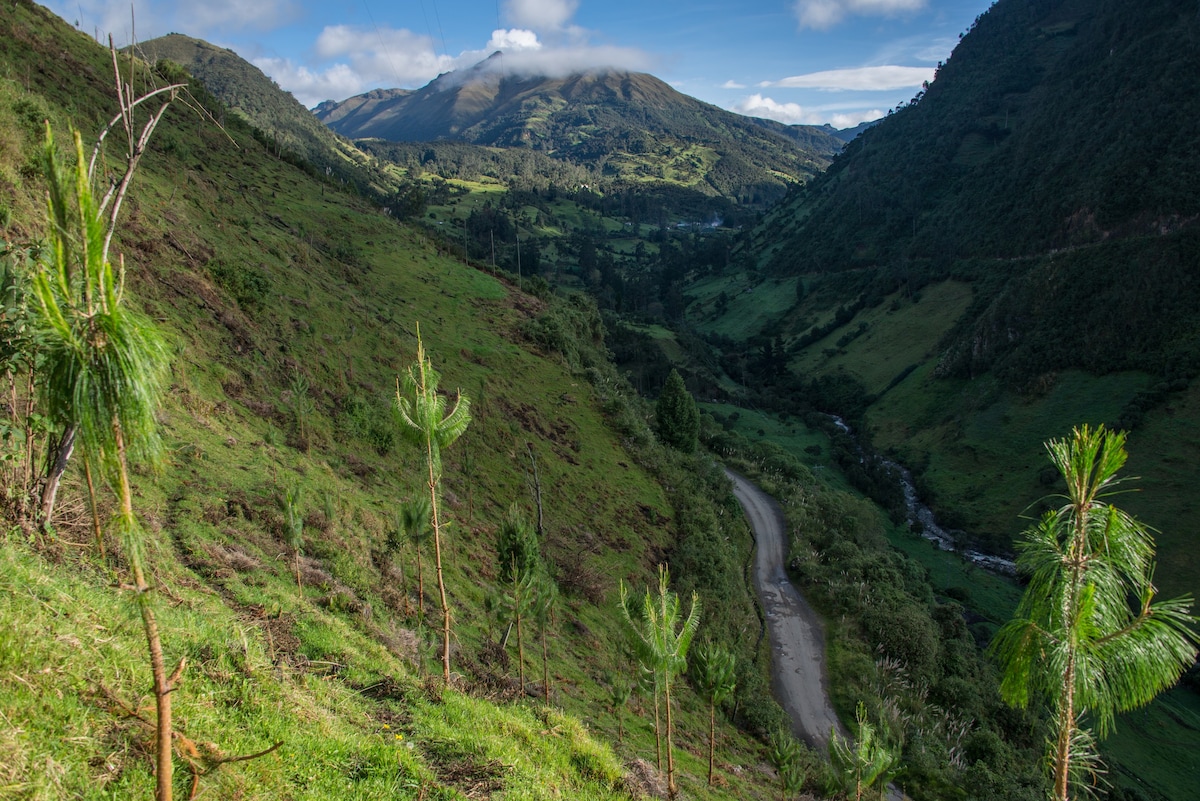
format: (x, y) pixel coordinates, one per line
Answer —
(437, 553)
(163, 685)
(657, 733)
(545, 668)
(520, 647)
(712, 738)
(50, 491)
(420, 590)
(670, 757)
(30, 460)
(1066, 710)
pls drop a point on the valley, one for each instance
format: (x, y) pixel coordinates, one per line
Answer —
(561, 265)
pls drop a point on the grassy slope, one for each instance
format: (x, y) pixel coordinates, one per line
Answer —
(329, 668)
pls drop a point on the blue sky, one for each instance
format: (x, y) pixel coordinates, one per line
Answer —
(798, 61)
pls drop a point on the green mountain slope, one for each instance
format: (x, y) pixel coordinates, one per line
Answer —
(1014, 253)
(628, 125)
(290, 308)
(285, 124)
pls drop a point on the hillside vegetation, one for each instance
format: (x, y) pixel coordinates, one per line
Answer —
(290, 307)
(965, 283)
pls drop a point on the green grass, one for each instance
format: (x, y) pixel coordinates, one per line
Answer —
(332, 668)
(899, 333)
(1156, 750)
(751, 306)
(988, 595)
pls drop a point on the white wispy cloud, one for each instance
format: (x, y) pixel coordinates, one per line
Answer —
(310, 86)
(858, 79)
(733, 85)
(349, 60)
(758, 105)
(824, 14)
(541, 15)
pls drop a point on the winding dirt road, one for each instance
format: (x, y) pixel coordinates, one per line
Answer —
(797, 638)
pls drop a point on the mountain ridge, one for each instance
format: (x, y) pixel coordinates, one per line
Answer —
(614, 119)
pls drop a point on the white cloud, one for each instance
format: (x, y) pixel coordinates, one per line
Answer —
(313, 86)
(859, 79)
(364, 58)
(733, 85)
(854, 118)
(757, 105)
(541, 15)
(791, 113)
(824, 14)
(513, 40)
(560, 61)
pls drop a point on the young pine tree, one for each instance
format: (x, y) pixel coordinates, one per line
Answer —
(662, 639)
(425, 423)
(103, 373)
(1088, 635)
(714, 672)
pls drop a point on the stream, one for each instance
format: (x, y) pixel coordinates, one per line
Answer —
(921, 519)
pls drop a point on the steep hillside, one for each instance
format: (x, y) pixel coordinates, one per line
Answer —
(289, 308)
(1055, 124)
(285, 124)
(629, 125)
(1014, 253)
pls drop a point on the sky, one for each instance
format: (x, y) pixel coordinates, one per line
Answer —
(813, 62)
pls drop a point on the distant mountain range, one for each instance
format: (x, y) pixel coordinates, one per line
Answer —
(631, 125)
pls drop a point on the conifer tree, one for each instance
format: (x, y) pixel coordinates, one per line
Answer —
(1088, 636)
(519, 562)
(426, 424)
(676, 415)
(662, 639)
(867, 762)
(103, 373)
(714, 670)
(414, 518)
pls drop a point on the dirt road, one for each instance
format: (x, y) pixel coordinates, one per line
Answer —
(797, 639)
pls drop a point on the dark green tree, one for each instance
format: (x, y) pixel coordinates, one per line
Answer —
(1088, 636)
(676, 414)
(864, 763)
(787, 755)
(414, 519)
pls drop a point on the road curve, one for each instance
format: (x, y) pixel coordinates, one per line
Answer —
(797, 638)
